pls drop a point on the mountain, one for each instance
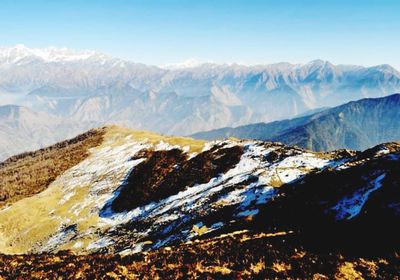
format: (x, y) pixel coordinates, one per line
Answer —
(182, 99)
(356, 125)
(136, 204)
(22, 129)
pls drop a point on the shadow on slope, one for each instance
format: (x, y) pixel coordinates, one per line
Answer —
(167, 172)
(354, 210)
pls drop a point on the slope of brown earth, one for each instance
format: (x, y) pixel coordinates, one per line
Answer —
(241, 255)
(27, 174)
(166, 173)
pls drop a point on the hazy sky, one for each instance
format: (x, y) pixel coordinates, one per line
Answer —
(253, 32)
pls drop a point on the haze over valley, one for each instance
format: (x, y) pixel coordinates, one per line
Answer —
(71, 91)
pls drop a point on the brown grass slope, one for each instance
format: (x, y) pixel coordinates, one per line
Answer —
(166, 173)
(239, 255)
(27, 174)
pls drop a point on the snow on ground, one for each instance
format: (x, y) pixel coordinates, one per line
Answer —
(87, 188)
(103, 172)
(383, 151)
(351, 206)
(96, 178)
(163, 146)
(186, 206)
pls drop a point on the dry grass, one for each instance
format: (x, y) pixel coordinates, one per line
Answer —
(319, 276)
(348, 272)
(257, 267)
(30, 173)
(275, 180)
(117, 134)
(280, 267)
(35, 212)
(199, 230)
(23, 231)
(225, 257)
(201, 269)
(371, 266)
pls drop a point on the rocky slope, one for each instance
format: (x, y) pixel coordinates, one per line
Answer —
(138, 194)
(356, 125)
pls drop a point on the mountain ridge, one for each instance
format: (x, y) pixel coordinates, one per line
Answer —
(245, 94)
(135, 195)
(55, 54)
(334, 128)
(82, 90)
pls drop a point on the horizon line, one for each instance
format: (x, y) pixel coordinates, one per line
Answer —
(197, 62)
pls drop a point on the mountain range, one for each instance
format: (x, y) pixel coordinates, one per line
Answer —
(50, 94)
(356, 125)
(91, 86)
(134, 204)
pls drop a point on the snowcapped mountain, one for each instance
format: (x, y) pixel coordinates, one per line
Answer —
(88, 89)
(136, 193)
(201, 96)
(24, 70)
(189, 63)
(21, 54)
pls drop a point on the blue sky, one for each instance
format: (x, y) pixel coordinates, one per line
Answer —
(253, 32)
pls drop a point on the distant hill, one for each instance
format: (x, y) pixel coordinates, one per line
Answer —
(22, 130)
(356, 125)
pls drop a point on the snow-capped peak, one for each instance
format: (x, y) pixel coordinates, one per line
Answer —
(189, 63)
(21, 53)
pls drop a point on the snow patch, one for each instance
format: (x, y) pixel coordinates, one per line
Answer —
(247, 213)
(98, 244)
(351, 206)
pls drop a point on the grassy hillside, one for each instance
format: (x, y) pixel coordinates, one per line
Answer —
(138, 205)
(27, 174)
(63, 186)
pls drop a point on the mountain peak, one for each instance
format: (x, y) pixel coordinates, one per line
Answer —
(318, 63)
(188, 63)
(386, 68)
(21, 47)
(21, 53)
